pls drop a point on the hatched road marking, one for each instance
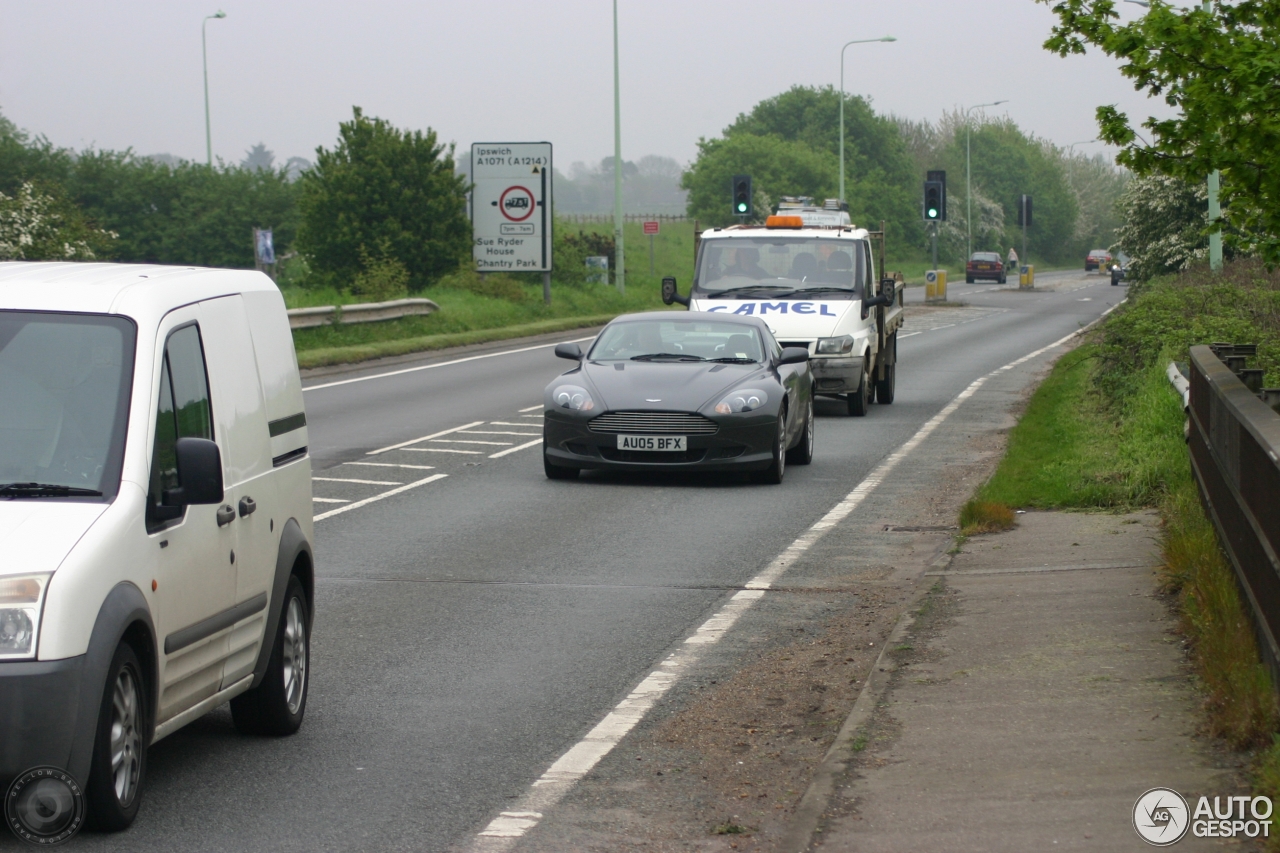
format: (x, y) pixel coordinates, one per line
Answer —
(501, 453)
(424, 438)
(378, 497)
(443, 450)
(391, 465)
(364, 482)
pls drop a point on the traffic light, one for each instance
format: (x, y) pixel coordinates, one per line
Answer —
(1024, 210)
(742, 195)
(935, 196)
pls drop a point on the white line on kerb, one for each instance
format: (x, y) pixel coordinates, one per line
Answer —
(503, 831)
(378, 497)
(424, 438)
(537, 440)
(441, 364)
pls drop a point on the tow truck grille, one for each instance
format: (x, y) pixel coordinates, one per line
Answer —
(672, 423)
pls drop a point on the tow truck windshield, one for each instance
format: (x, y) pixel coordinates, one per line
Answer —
(768, 267)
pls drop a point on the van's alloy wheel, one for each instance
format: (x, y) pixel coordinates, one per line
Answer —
(120, 746)
(278, 704)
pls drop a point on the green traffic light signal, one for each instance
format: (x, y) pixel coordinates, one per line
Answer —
(933, 213)
(742, 207)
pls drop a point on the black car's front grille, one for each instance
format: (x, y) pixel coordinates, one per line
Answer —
(654, 423)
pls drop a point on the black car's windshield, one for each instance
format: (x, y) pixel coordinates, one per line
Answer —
(751, 267)
(64, 387)
(677, 341)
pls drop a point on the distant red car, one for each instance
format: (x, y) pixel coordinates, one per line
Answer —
(986, 265)
(1097, 259)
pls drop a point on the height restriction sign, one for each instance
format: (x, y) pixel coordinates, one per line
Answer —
(511, 206)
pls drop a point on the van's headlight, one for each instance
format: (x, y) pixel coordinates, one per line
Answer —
(835, 346)
(742, 400)
(21, 597)
(572, 397)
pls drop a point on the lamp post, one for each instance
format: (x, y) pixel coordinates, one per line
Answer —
(1215, 178)
(855, 41)
(1071, 165)
(204, 46)
(620, 273)
(968, 177)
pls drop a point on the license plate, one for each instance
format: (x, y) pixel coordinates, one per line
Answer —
(652, 442)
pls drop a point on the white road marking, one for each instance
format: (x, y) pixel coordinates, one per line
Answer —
(494, 432)
(442, 364)
(424, 438)
(391, 465)
(507, 423)
(550, 788)
(471, 441)
(348, 480)
(329, 501)
(514, 449)
(378, 497)
(532, 416)
(539, 406)
(443, 450)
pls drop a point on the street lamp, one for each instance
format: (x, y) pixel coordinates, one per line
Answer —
(855, 41)
(968, 176)
(620, 271)
(204, 46)
(1071, 163)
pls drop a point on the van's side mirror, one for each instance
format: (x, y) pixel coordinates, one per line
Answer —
(670, 294)
(794, 355)
(889, 288)
(570, 351)
(199, 472)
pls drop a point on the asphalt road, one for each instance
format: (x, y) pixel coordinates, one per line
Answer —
(472, 627)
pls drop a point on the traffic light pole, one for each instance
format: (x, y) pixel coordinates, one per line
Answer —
(935, 244)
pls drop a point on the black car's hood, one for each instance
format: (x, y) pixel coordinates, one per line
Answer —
(669, 385)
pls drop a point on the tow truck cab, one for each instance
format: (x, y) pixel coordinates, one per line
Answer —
(814, 281)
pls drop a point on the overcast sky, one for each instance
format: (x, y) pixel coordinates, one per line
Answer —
(127, 73)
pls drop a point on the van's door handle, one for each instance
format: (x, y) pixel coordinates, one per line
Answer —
(247, 506)
(226, 515)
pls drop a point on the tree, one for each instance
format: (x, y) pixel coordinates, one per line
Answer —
(383, 193)
(258, 157)
(1218, 68)
(777, 167)
(1164, 225)
(36, 226)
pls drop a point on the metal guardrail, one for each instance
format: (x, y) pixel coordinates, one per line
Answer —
(366, 312)
(1234, 440)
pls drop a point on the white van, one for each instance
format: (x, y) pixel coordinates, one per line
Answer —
(155, 526)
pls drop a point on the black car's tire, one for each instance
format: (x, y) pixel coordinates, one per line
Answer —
(119, 764)
(968, 279)
(885, 387)
(278, 704)
(859, 402)
(558, 472)
(778, 467)
(1002, 280)
(802, 453)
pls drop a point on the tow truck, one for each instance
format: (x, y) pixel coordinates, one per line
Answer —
(811, 275)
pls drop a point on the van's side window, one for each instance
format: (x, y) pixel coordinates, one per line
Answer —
(183, 412)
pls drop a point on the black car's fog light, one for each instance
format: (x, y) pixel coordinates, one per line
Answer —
(44, 806)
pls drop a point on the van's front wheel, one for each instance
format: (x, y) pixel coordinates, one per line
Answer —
(278, 704)
(119, 764)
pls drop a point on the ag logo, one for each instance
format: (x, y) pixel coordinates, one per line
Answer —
(1161, 817)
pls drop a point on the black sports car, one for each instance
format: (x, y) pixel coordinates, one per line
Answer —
(676, 391)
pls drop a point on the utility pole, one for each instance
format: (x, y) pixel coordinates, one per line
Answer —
(620, 273)
(204, 49)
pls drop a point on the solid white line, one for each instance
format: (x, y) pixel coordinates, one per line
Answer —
(471, 441)
(494, 432)
(514, 449)
(503, 831)
(424, 438)
(379, 497)
(330, 501)
(347, 480)
(508, 423)
(391, 465)
(539, 406)
(441, 364)
(443, 450)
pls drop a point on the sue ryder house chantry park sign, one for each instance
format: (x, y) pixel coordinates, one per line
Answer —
(511, 206)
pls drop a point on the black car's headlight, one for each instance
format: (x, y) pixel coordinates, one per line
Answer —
(742, 400)
(835, 346)
(572, 397)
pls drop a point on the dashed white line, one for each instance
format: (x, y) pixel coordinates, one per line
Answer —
(549, 789)
(352, 480)
(537, 440)
(380, 496)
(391, 465)
(424, 438)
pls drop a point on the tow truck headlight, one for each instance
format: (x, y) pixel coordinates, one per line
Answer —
(573, 397)
(21, 597)
(742, 400)
(835, 346)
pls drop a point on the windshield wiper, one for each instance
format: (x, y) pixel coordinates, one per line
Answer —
(46, 490)
(733, 360)
(827, 290)
(716, 294)
(677, 355)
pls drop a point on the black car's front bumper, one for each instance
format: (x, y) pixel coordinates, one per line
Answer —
(39, 710)
(741, 443)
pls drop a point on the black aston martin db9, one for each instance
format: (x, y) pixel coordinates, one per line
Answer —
(676, 391)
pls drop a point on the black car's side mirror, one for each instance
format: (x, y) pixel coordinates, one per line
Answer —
(670, 294)
(569, 351)
(199, 472)
(794, 355)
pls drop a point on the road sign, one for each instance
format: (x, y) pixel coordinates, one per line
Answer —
(651, 227)
(511, 206)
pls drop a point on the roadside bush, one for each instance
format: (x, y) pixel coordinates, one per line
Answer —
(572, 250)
(382, 280)
(494, 285)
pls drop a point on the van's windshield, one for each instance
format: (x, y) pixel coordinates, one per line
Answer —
(763, 267)
(64, 398)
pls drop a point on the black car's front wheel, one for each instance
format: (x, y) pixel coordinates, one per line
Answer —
(802, 453)
(558, 472)
(778, 467)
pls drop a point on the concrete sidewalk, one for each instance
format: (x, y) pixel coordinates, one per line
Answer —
(1039, 694)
